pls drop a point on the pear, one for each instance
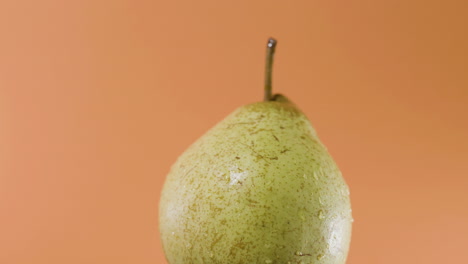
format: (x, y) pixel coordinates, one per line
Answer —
(259, 187)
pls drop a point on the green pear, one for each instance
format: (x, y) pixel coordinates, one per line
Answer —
(259, 187)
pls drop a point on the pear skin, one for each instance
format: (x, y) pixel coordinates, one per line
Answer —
(259, 187)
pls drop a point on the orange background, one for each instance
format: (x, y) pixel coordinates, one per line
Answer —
(98, 98)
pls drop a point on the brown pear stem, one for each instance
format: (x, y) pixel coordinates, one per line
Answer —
(271, 45)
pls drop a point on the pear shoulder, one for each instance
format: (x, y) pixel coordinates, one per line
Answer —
(280, 116)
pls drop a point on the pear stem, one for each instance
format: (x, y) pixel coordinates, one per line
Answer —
(271, 45)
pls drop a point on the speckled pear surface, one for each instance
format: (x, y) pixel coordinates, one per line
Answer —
(259, 187)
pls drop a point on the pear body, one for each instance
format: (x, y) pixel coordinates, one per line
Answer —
(259, 187)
